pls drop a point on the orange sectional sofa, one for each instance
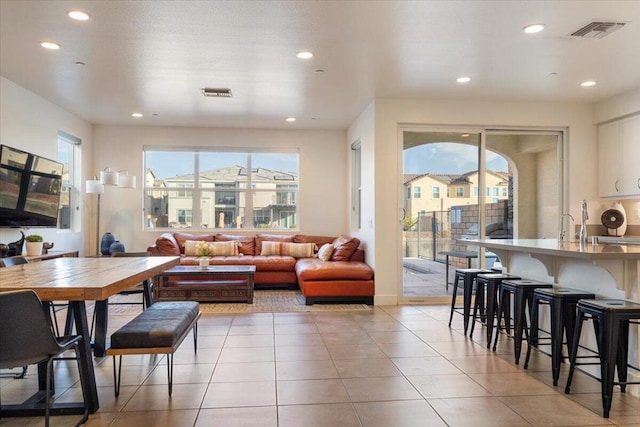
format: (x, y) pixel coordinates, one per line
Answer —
(340, 272)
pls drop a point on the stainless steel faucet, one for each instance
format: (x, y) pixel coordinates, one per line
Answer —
(582, 235)
(562, 233)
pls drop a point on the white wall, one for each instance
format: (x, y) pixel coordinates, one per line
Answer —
(363, 129)
(323, 198)
(390, 113)
(31, 123)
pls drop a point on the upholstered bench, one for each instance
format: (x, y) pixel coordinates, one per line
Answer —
(158, 330)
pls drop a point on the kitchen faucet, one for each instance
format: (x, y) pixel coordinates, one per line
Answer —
(582, 235)
(561, 234)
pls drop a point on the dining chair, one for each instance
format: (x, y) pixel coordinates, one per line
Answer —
(27, 339)
(17, 260)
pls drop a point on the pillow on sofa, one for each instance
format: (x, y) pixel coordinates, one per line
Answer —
(181, 238)
(229, 248)
(193, 248)
(325, 252)
(246, 243)
(270, 238)
(344, 248)
(295, 250)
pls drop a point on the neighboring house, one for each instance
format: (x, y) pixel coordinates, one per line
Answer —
(439, 192)
(223, 198)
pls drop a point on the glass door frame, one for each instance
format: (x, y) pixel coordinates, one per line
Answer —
(483, 131)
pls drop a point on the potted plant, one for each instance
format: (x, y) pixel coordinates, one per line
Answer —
(34, 244)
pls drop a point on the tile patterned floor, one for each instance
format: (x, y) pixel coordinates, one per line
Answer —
(397, 366)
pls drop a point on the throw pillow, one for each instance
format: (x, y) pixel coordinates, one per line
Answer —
(193, 248)
(246, 243)
(345, 247)
(229, 248)
(325, 252)
(295, 250)
(270, 238)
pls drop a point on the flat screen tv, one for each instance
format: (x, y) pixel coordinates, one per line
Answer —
(29, 189)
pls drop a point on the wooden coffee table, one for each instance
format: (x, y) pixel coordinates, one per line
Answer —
(216, 283)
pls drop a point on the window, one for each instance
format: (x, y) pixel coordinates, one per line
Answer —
(475, 191)
(505, 192)
(356, 184)
(408, 192)
(417, 192)
(459, 191)
(68, 147)
(495, 191)
(205, 188)
(486, 192)
(184, 216)
(435, 192)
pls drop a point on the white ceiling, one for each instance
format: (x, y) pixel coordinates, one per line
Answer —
(155, 56)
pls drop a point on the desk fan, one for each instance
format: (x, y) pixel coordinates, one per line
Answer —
(614, 220)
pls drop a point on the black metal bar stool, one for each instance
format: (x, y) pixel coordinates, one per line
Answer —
(522, 291)
(468, 278)
(611, 320)
(562, 305)
(488, 282)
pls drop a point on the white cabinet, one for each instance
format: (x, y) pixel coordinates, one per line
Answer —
(630, 140)
(619, 158)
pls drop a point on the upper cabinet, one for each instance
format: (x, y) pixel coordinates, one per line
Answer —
(619, 158)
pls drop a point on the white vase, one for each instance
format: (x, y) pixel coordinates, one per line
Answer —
(204, 262)
(34, 248)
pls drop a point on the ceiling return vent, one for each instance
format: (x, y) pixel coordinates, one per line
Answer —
(597, 29)
(217, 92)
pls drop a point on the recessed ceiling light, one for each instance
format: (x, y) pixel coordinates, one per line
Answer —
(588, 83)
(465, 135)
(290, 119)
(533, 28)
(80, 63)
(463, 79)
(136, 115)
(78, 15)
(50, 45)
(304, 55)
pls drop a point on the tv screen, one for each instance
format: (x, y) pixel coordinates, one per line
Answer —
(29, 189)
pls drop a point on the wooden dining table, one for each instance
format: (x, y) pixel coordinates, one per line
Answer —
(78, 280)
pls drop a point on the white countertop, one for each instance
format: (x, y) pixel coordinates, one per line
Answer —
(565, 249)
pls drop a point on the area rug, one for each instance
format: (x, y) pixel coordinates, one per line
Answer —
(264, 301)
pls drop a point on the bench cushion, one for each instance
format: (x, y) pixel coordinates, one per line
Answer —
(161, 325)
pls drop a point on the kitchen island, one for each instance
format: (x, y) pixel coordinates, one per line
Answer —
(609, 271)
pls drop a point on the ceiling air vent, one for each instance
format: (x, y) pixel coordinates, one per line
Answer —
(597, 29)
(217, 92)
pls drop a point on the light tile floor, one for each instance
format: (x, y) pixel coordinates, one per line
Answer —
(394, 366)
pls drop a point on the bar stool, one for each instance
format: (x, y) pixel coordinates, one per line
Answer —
(611, 319)
(522, 291)
(489, 282)
(468, 278)
(562, 305)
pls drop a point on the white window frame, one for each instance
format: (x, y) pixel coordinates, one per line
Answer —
(72, 183)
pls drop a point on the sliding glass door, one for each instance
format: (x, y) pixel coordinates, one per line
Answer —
(472, 184)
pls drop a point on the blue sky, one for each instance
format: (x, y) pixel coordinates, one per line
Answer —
(172, 163)
(448, 158)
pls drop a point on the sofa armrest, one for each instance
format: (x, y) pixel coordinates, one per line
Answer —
(166, 245)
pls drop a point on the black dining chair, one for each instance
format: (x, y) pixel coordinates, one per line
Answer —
(18, 260)
(27, 339)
